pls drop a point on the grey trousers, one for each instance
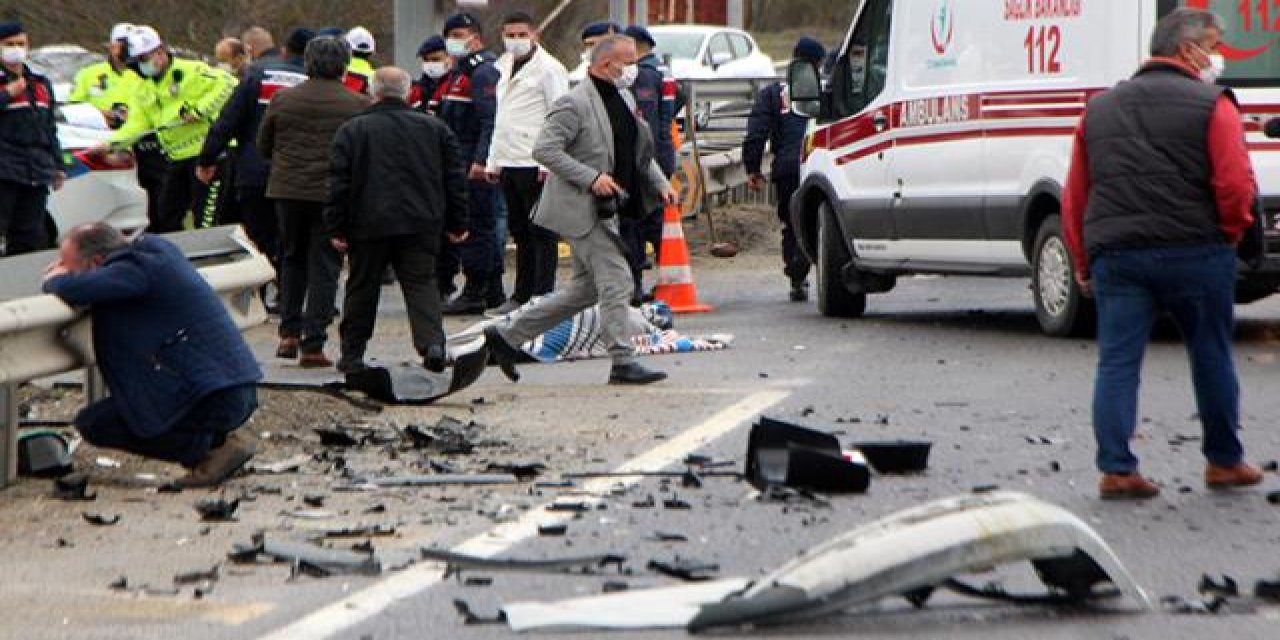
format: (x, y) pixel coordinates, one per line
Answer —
(600, 274)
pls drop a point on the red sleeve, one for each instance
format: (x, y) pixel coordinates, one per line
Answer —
(1231, 174)
(1075, 199)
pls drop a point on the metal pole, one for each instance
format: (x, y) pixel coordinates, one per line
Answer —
(691, 126)
(414, 21)
(8, 434)
(618, 11)
(642, 12)
(734, 15)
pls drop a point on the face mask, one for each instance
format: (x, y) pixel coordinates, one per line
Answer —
(518, 47)
(1217, 65)
(13, 55)
(435, 70)
(457, 47)
(628, 76)
(148, 69)
(586, 57)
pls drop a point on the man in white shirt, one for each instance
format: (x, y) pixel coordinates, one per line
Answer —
(532, 80)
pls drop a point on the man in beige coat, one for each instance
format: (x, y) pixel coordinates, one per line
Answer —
(601, 159)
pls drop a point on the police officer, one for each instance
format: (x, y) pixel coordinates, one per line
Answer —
(31, 159)
(773, 121)
(239, 122)
(108, 85)
(655, 93)
(360, 69)
(469, 105)
(592, 34)
(427, 92)
(178, 101)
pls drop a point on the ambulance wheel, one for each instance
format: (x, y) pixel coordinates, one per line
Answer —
(1061, 308)
(834, 298)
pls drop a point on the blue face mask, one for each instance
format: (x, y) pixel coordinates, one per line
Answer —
(148, 69)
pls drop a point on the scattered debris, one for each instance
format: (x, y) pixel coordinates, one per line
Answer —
(307, 559)
(782, 453)
(309, 514)
(440, 479)
(337, 438)
(1182, 606)
(896, 456)
(410, 384)
(107, 463)
(217, 509)
(195, 577)
(366, 531)
(788, 495)
(555, 529)
(288, 465)
(455, 562)
(674, 502)
(99, 520)
(477, 581)
(1271, 465)
(1267, 590)
(1227, 588)
(524, 471)
(685, 569)
(569, 506)
(647, 503)
(119, 584)
(985, 488)
(73, 487)
(667, 536)
(44, 454)
(169, 487)
(377, 508)
(622, 608)
(1273, 497)
(614, 586)
(470, 618)
(313, 500)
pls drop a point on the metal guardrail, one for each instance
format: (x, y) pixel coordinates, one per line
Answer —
(41, 336)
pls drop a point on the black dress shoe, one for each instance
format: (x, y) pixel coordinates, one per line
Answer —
(502, 353)
(634, 373)
(434, 360)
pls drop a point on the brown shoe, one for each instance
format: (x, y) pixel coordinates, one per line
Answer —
(314, 360)
(1126, 486)
(220, 463)
(1240, 475)
(288, 348)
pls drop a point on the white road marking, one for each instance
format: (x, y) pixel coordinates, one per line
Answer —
(368, 602)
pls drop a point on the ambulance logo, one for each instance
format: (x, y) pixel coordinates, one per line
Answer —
(942, 28)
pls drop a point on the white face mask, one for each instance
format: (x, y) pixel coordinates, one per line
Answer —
(13, 55)
(586, 57)
(435, 70)
(1217, 66)
(148, 69)
(457, 47)
(518, 47)
(628, 77)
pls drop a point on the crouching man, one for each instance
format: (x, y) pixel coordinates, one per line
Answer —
(181, 378)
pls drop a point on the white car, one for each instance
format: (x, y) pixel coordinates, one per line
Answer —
(704, 51)
(96, 189)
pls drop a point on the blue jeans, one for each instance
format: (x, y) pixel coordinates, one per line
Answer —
(1195, 285)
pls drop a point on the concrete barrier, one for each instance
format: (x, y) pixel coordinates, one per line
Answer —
(40, 336)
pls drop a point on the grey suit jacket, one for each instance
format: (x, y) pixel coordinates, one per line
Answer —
(576, 146)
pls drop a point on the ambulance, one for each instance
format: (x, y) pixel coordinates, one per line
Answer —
(943, 132)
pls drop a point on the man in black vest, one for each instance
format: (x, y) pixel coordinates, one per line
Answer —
(1160, 189)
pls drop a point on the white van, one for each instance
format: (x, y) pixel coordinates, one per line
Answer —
(944, 134)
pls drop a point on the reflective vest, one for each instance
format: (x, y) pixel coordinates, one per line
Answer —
(105, 88)
(188, 89)
(359, 75)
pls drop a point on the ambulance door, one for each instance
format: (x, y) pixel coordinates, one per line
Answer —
(936, 168)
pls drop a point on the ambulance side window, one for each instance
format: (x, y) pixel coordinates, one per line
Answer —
(860, 75)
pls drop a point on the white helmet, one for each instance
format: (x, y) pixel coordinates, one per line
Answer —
(143, 40)
(121, 31)
(361, 40)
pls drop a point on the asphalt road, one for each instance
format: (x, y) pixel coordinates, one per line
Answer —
(957, 361)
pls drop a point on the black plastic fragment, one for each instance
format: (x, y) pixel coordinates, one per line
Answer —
(685, 569)
(196, 577)
(1267, 590)
(455, 562)
(337, 438)
(73, 487)
(99, 520)
(313, 500)
(613, 586)
(1227, 587)
(558, 529)
(783, 453)
(674, 502)
(477, 581)
(217, 509)
(470, 618)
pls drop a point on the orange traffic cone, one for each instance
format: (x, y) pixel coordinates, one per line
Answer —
(675, 276)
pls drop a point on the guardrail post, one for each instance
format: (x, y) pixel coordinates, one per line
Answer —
(8, 434)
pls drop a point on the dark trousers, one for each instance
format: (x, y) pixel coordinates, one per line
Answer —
(309, 267)
(414, 259)
(257, 214)
(151, 171)
(475, 256)
(635, 233)
(794, 263)
(22, 210)
(181, 193)
(204, 428)
(1195, 285)
(536, 251)
(215, 203)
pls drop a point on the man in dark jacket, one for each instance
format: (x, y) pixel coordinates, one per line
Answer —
(655, 93)
(181, 377)
(428, 91)
(296, 134)
(31, 160)
(239, 121)
(397, 188)
(1159, 190)
(469, 105)
(773, 121)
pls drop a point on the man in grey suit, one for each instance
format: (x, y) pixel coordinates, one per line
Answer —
(601, 159)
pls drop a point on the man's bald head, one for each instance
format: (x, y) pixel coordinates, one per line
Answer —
(391, 82)
(258, 41)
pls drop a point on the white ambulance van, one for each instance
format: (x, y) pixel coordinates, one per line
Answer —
(944, 131)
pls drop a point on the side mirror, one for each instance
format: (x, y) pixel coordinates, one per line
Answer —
(1272, 128)
(805, 86)
(720, 57)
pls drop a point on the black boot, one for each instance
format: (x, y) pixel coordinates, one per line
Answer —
(434, 360)
(471, 301)
(634, 373)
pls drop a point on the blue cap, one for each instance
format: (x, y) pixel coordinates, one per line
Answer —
(298, 39)
(431, 45)
(601, 28)
(640, 34)
(809, 49)
(332, 32)
(460, 21)
(10, 29)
